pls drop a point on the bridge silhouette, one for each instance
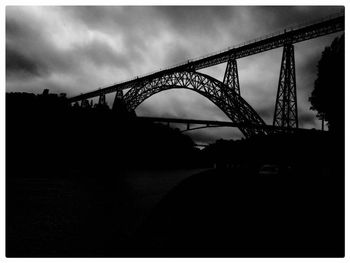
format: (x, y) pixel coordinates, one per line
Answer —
(226, 94)
(214, 124)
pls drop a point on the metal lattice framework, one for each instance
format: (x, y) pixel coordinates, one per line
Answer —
(231, 76)
(286, 113)
(102, 99)
(329, 25)
(226, 94)
(118, 100)
(232, 104)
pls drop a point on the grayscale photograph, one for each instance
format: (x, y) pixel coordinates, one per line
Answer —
(175, 131)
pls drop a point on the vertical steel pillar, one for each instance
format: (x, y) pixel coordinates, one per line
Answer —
(231, 76)
(119, 106)
(118, 102)
(286, 111)
(102, 99)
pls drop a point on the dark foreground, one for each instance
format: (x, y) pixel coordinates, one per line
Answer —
(69, 194)
(221, 213)
(232, 213)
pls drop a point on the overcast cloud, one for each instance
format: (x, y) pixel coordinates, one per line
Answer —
(79, 49)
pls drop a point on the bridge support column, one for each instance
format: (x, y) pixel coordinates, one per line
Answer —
(119, 106)
(286, 111)
(231, 76)
(102, 103)
(85, 104)
(102, 99)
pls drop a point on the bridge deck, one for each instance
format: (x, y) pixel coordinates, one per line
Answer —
(210, 123)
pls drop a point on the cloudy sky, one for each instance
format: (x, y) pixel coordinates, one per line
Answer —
(79, 49)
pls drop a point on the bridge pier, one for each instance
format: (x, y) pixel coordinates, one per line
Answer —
(102, 99)
(286, 111)
(119, 106)
(231, 76)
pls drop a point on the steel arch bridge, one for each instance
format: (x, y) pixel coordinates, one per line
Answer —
(226, 94)
(230, 102)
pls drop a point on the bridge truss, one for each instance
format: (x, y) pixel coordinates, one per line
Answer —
(231, 103)
(226, 94)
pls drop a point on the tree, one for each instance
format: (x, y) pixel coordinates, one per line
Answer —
(327, 98)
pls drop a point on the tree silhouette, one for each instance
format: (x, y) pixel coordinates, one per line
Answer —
(327, 98)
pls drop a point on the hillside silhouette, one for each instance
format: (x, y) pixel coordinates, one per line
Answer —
(45, 132)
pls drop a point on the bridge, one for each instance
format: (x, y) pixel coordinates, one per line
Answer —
(215, 124)
(225, 94)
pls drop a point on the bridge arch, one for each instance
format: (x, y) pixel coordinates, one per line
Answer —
(231, 103)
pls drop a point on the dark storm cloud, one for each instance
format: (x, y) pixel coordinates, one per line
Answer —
(148, 19)
(18, 65)
(100, 54)
(26, 44)
(135, 25)
(309, 65)
(306, 118)
(283, 16)
(268, 19)
(104, 18)
(14, 28)
(177, 53)
(33, 50)
(196, 20)
(267, 113)
(21, 28)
